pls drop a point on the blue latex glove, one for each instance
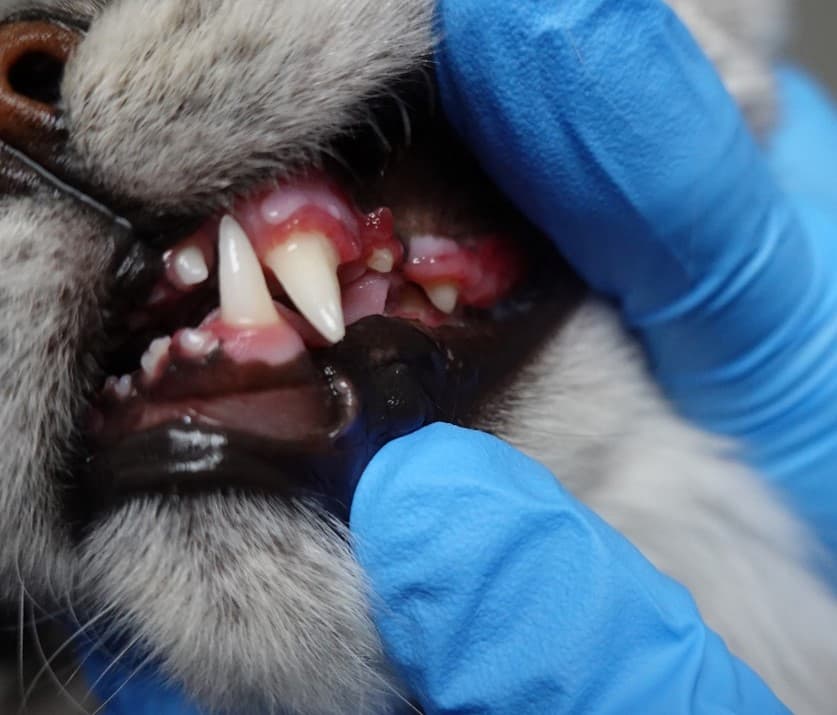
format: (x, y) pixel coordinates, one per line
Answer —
(499, 593)
(603, 121)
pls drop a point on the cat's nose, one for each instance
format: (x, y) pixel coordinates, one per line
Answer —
(32, 59)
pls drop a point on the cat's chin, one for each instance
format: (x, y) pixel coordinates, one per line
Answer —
(251, 604)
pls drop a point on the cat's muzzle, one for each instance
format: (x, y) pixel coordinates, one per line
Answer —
(277, 343)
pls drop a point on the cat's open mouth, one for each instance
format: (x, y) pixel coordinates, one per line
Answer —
(290, 336)
(279, 344)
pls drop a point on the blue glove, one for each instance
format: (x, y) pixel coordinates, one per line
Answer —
(603, 121)
(125, 687)
(499, 593)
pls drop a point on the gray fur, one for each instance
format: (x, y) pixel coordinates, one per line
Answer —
(254, 604)
(204, 96)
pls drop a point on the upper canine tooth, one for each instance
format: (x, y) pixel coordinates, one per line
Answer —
(190, 266)
(306, 266)
(245, 299)
(444, 296)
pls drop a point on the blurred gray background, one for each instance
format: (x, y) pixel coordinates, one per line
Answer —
(815, 39)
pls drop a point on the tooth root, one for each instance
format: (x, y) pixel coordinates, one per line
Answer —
(444, 296)
(381, 260)
(306, 266)
(190, 266)
(245, 299)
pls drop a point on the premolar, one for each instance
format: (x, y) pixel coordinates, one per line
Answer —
(306, 265)
(245, 299)
(381, 260)
(444, 296)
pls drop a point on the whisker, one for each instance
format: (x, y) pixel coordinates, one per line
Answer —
(21, 641)
(405, 120)
(114, 662)
(122, 687)
(53, 676)
(47, 662)
(385, 143)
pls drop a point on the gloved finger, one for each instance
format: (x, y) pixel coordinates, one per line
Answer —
(499, 593)
(802, 150)
(606, 124)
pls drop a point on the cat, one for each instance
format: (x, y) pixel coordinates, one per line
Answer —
(167, 110)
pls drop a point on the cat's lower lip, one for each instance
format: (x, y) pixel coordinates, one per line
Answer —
(386, 379)
(394, 376)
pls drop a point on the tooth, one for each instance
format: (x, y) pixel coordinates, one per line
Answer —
(444, 296)
(155, 353)
(306, 266)
(381, 260)
(123, 387)
(245, 299)
(197, 343)
(190, 266)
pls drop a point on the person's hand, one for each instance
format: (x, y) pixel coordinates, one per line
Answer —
(606, 125)
(497, 592)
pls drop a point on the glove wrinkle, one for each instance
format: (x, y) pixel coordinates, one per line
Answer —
(506, 595)
(605, 123)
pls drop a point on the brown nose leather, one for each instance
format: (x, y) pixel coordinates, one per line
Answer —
(32, 58)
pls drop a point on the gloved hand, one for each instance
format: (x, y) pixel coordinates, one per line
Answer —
(605, 124)
(603, 121)
(497, 592)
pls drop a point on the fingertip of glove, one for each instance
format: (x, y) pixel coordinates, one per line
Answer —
(430, 474)
(417, 464)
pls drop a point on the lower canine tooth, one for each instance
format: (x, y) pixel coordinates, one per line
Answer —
(245, 299)
(444, 296)
(306, 266)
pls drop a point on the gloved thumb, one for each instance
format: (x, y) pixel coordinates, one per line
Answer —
(497, 592)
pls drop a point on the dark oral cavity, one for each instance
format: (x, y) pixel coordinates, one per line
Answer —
(293, 265)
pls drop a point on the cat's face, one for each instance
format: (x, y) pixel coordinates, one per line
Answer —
(177, 449)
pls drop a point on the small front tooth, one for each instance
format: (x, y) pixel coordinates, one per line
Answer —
(444, 296)
(123, 387)
(197, 343)
(381, 260)
(190, 266)
(158, 349)
(306, 266)
(245, 299)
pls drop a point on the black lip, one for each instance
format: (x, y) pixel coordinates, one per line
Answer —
(392, 377)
